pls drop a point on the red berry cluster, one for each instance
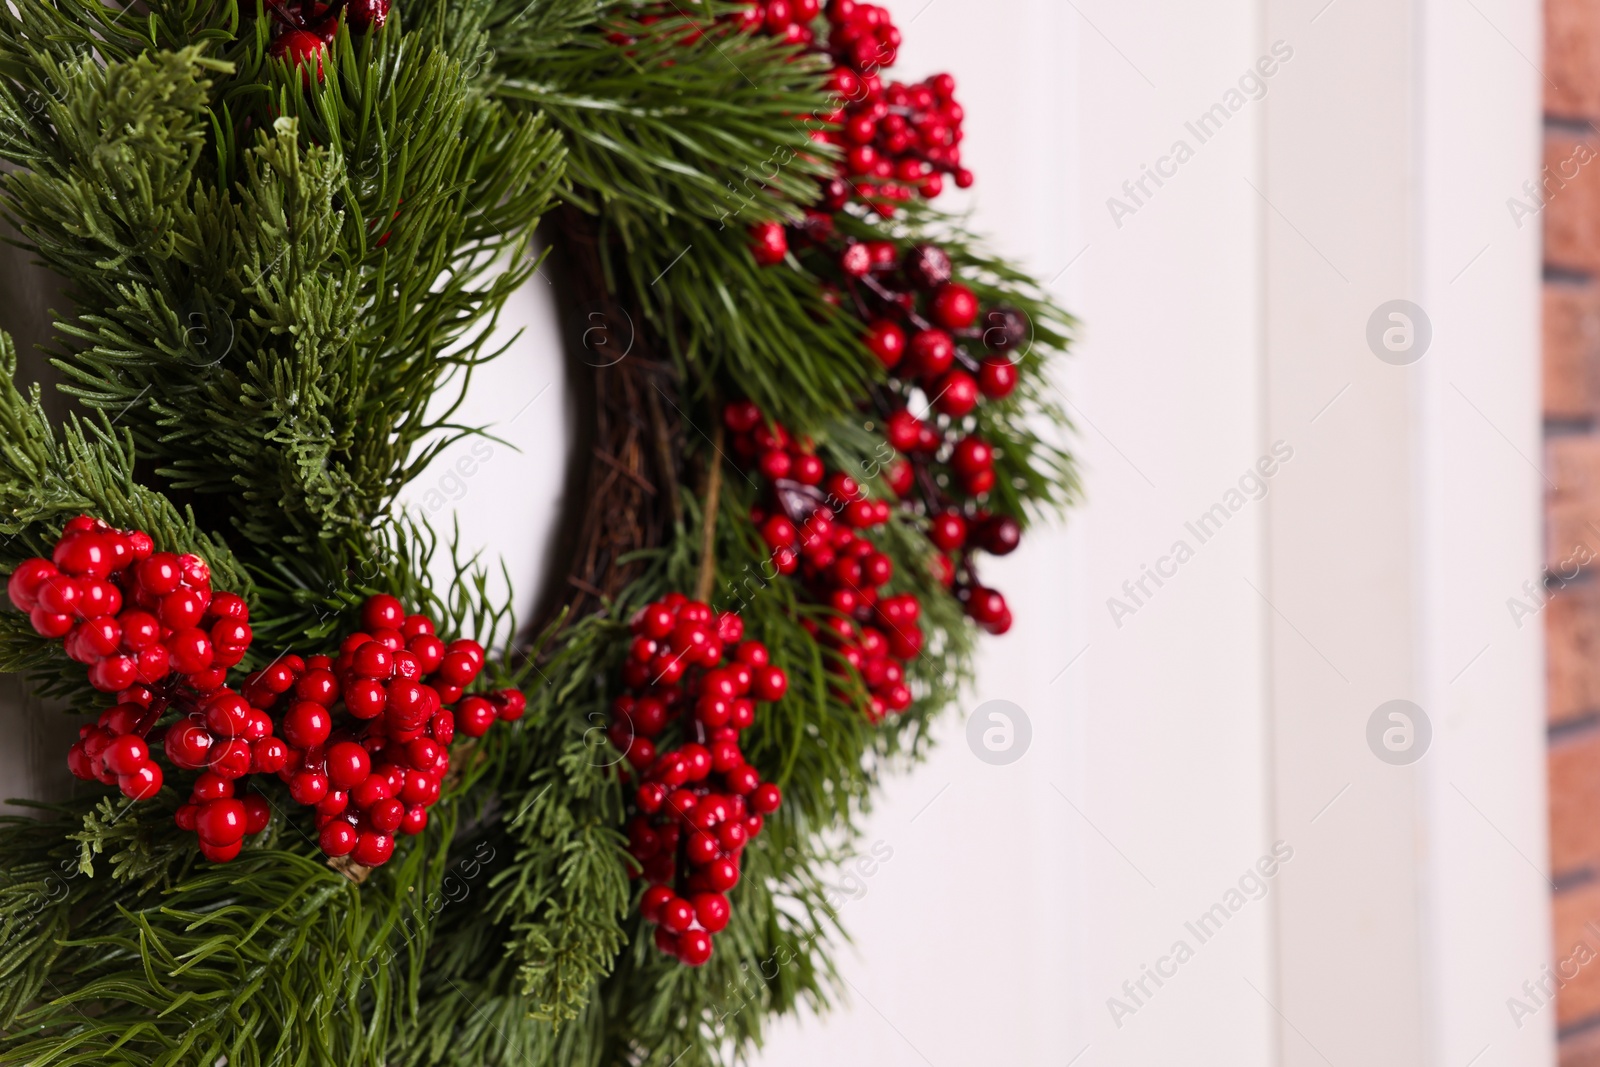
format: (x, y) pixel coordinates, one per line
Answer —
(930, 332)
(898, 141)
(697, 804)
(813, 520)
(926, 329)
(304, 29)
(130, 614)
(372, 775)
(924, 326)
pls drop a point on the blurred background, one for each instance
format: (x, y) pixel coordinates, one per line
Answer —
(1293, 755)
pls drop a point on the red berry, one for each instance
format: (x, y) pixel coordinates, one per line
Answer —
(97, 598)
(160, 574)
(229, 606)
(856, 260)
(948, 530)
(694, 947)
(308, 787)
(742, 780)
(386, 815)
(887, 341)
(302, 49)
(210, 786)
(769, 683)
(722, 874)
(1000, 535)
(125, 755)
(337, 838)
(257, 813)
(443, 726)
(140, 630)
(317, 685)
(220, 822)
(227, 714)
(113, 673)
(997, 377)
(427, 650)
(139, 545)
(932, 353)
(768, 243)
(978, 482)
(190, 650)
(766, 798)
(348, 764)
(269, 755)
(903, 430)
(677, 914)
(143, 782)
(740, 416)
(712, 910)
(775, 464)
(231, 634)
(26, 581)
(971, 455)
(306, 725)
(181, 609)
(231, 758)
(58, 595)
(373, 850)
(372, 660)
(83, 554)
(458, 668)
(221, 853)
(511, 704)
(954, 306)
(957, 394)
(415, 820)
(476, 716)
(382, 611)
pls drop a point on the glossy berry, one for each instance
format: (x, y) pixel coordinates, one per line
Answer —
(694, 947)
(887, 341)
(768, 243)
(997, 377)
(948, 530)
(954, 306)
(337, 838)
(221, 822)
(1000, 535)
(348, 765)
(302, 49)
(306, 724)
(957, 394)
(932, 353)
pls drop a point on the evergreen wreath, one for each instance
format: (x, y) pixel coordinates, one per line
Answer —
(286, 227)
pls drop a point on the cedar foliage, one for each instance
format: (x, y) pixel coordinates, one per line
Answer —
(270, 281)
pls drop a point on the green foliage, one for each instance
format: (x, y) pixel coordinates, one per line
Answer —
(272, 279)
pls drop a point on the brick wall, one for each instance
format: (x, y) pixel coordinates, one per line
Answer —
(1571, 220)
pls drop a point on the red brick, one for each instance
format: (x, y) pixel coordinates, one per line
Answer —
(1571, 58)
(1572, 651)
(1575, 802)
(1572, 500)
(1577, 921)
(1571, 350)
(1569, 187)
(1581, 1049)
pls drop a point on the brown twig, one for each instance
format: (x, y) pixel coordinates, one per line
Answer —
(708, 525)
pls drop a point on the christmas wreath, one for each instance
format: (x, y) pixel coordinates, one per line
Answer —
(331, 814)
